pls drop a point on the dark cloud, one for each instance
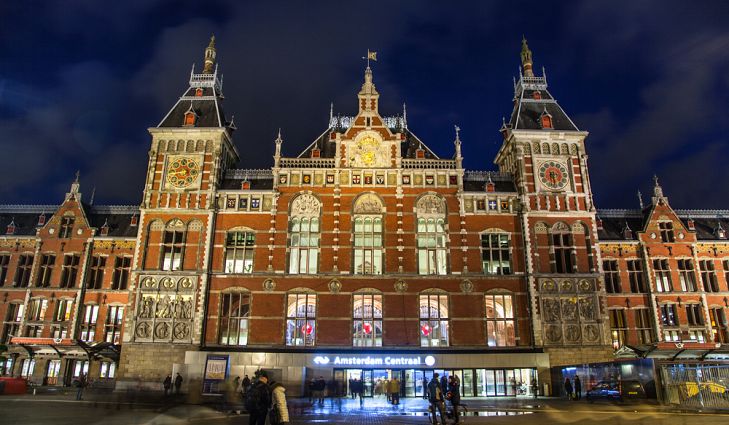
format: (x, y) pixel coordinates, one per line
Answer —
(81, 85)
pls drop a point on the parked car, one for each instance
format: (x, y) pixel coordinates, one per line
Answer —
(616, 390)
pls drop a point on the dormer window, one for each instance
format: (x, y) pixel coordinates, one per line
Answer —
(42, 219)
(419, 153)
(66, 227)
(190, 118)
(545, 120)
(720, 232)
(627, 232)
(316, 153)
(105, 229)
(134, 220)
(666, 230)
(246, 185)
(537, 95)
(10, 230)
(198, 92)
(599, 224)
(691, 224)
(490, 187)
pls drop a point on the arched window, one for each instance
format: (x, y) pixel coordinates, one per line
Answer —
(500, 324)
(367, 235)
(235, 310)
(367, 320)
(173, 245)
(434, 320)
(562, 247)
(301, 319)
(431, 235)
(304, 235)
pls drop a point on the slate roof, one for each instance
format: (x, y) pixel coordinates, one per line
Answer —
(706, 222)
(528, 111)
(259, 179)
(25, 217)
(475, 181)
(208, 107)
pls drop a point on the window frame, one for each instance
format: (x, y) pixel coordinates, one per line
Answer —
(611, 270)
(235, 246)
(643, 325)
(227, 320)
(666, 230)
(686, 274)
(618, 327)
(636, 276)
(709, 280)
(88, 320)
(122, 271)
(304, 257)
(662, 275)
(23, 270)
(427, 331)
(563, 252)
(95, 273)
(65, 229)
(301, 317)
(488, 250)
(498, 327)
(172, 249)
(432, 245)
(361, 316)
(69, 270)
(4, 262)
(361, 250)
(45, 270)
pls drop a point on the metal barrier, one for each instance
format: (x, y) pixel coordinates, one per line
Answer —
(696, 386)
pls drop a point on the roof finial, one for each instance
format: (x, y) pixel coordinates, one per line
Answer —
(526, 58)
(93, 193)
(210, 54)
(657, 189)
(78, 174)
(640, 199)
(331, 113)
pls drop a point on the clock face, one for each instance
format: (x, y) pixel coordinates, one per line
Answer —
(366, 152)
(182, 172)
(553, 175)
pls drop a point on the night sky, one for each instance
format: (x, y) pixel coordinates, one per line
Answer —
(80, 83)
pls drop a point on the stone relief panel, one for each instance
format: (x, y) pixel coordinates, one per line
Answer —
(165, 309)
(430, 204)
(306, 205)
(569, 311)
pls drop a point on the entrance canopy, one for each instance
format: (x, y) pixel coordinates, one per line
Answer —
(63, 347)
(675, 351)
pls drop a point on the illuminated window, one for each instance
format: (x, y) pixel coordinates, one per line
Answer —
(173, 245)
(434, 320)
(686, 275)
(500, 323)
(718, 325)
(304, 235)
(13, 319)
(27, 368)
(663, 275)
(239, 252)
(669, 318)
(367, 244)
(618, 327)
(113, 324)
(235, 310)
(88, 322)
(61, 318)
(108, 370)
(367, 320)
(495, 253)
(301, 319)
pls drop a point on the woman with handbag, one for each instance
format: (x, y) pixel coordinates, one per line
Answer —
(279, 412)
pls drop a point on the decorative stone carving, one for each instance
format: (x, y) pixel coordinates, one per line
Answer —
(567, 285)
(180, 331)
(167, 283)
(572, 333)
(164, 308)
(149, 283)
(577, 227)
(401, 286)
(549, 286)
(553, 333)
(162, 330)
(537, 148)
(551, 309)
(560, 227)
(584, 285)
(185, 283)
(143, 330)
(587, 308)
(540, 228)
(269, 285)
(146, 310)
(591, 333)
(334, 286)
(369, 203)
(430, 204)
(306, 205)
(569, 309)
(466, 286)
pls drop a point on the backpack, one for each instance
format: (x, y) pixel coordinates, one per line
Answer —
(254, 399)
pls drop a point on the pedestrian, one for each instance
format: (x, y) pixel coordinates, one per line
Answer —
(312, 390)
(395, 391)
(568, 388)
(167, 384)
(359, 388)
(454, 395)
(230, 396)
(245, 384)
(351, 388)
(578, 388)
(279, 411)
(386, 389)
(436, 398)
(425, 388)
(512, 381)
(332, 390)
(258, 400)
(81, 383)
(535, 388)
(321, 386)
(178, 383)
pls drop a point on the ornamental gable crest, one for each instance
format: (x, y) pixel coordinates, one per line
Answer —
(430, 204)
(368, 203)
(306, 205)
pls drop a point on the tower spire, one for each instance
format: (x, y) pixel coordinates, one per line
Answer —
(210, 57)
(368, 96)
(526, 58)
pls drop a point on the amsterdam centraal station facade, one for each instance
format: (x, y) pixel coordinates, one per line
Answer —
(367, 255)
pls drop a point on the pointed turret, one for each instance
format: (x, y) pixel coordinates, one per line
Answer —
(457, 143)
(526, 58)
(658, 196)
(210, 57)
(368, 96)
(74, 193)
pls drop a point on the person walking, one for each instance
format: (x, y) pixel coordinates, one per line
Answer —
(279, 410)
(578, 388)
(258, 400)
(178, 383)
(245, 384)
(81, 383)
(395, 391)
(568, 388)
(321, 386)
(425, 388)
(454, 395)
(535, 388)
(436, 398)
(167, 384)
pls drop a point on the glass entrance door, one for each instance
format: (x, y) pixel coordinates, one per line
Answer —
(52, 370)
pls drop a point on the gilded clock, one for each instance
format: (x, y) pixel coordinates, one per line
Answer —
(553, 175)
(182, 172)
(367, 152)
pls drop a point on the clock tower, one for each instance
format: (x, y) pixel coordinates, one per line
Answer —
(544, 151)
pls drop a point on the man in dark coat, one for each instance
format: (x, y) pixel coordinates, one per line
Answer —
(568, 388)
(167, 384)
(437, 399)
(578, 388)
(260, 392)
(178, 383)
(454, 395)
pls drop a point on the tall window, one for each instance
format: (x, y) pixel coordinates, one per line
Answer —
(173, 244)
(88, 322)
(69, 270)
(37, 310)
(22, 273)
(95, 275)
(113, 324)
(726, 271)
(718, 325)
(562, 245)
(500, 324)
(235, 311)
(304, 235)
(301, 319)
(695, 319)
(27, 368)
(708, 276)
(669, 318)
(666, 230)
(43, 279)
(618, 327)
(432, 238)
(13, 318)
(4, 260)
(635, 275)
(107, 370)
(612, 276)
(367, 320)
(434, 320)
(66, 229)
(686, 275)
(663, 275)
(122, 267)
(643, 325)
(61, 318)
(239, 252)
(495, 253)
(367, 244)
